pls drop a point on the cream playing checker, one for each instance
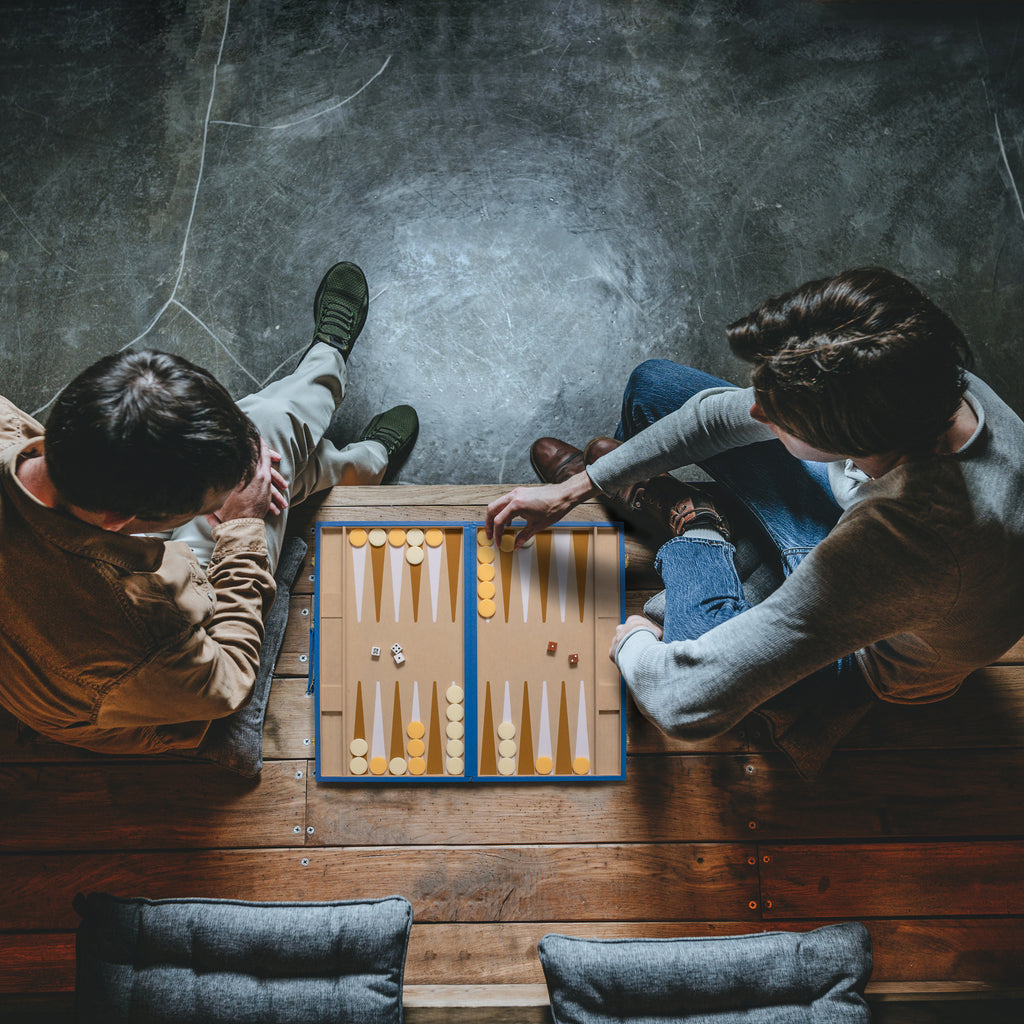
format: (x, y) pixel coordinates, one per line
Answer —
(438, 655)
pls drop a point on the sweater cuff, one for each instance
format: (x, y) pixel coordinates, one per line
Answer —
(631, 648)
(611, 471)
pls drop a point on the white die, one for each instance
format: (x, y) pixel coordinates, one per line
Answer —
(399, 658)
(396, 648)
(374, 652)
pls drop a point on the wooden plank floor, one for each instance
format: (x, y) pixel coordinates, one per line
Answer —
(916, 828)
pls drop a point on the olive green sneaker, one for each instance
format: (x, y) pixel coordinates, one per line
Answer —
(340, 306)
(396, 430)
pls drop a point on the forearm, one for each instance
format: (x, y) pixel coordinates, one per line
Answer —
(698, 689)
(239, 571)
(711, 422)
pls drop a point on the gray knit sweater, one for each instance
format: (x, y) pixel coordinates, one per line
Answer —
(922, 577)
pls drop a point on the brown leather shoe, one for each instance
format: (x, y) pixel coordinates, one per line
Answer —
(663, 505)
(687, 506)
(555, 461)
(598, 447)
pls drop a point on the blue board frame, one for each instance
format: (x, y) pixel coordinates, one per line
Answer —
(469, 661)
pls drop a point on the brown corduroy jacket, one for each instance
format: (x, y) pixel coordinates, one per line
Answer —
(115, 643)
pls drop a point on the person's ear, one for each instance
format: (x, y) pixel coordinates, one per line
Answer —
(757, 414)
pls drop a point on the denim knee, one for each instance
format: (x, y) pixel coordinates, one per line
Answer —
(649, 375)
(652, 391)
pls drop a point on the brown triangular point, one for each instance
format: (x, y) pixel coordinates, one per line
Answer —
(563, 751)
(435, 751)
(453, 547)
(526, 736)
(359, 733)
(488, 754)
(397, 733)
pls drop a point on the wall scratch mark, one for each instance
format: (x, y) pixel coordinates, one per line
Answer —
(31, 233)
(310, 117)
(1009, 171)
(188, 225)
(233, 357)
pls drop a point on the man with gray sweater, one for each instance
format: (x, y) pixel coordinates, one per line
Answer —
(886, 481)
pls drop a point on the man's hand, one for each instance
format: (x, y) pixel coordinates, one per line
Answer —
(633, 622)
(261, 497)
(540, 506)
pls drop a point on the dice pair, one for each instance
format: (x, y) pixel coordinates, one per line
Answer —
(574, 659)
(396, 653)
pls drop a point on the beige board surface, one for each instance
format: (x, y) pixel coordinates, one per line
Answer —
(552, 591)
(386, 598)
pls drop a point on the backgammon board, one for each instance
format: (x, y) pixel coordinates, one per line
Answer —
(438, 655)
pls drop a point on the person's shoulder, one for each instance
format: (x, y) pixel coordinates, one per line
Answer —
(991, 461)
(16, 426)
(994, 412)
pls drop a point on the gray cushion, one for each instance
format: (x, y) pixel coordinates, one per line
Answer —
(772, 978)
(158, 961)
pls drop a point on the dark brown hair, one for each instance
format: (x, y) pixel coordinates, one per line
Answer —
(862, 363)
(147, 434)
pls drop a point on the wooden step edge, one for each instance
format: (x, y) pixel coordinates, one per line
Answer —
(524, 1004)
(917, 991)
(484, 997)
(479, 996)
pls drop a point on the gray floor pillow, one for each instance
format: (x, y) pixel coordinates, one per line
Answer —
(212, 961)
(815, 977)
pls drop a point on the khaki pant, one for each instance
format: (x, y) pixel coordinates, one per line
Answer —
(292, 415)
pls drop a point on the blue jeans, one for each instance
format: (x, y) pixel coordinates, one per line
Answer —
(790, 501)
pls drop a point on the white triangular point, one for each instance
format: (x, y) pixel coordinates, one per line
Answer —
(359, 578)
(434, 571)
(525, 561)
(561, 542)
(581, 598)
(397, 558)
(377, 746)
(544, 739)
(582, 735)
(506, 708)
(415, 702)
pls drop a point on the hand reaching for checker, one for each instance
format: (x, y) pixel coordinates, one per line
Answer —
(541, 506)
(262, 496)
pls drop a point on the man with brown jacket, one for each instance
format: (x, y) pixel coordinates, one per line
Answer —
(139, 533)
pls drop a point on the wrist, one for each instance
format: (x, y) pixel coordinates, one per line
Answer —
(628, 649)
(579, 488)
